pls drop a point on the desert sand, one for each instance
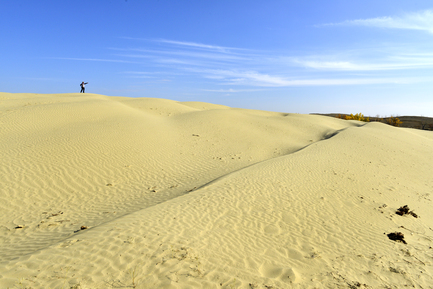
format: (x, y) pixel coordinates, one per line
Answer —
(117, 192)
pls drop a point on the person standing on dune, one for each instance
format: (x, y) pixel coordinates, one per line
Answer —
(83, 86)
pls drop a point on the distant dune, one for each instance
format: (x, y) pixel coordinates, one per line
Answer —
(417, 122)
(116, 192)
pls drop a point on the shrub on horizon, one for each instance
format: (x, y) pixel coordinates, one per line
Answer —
(358, 116)
(394, 121)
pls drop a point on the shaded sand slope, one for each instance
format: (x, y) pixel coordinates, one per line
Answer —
(205, 196)
(73, 160)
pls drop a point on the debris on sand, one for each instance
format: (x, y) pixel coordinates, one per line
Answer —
(83, 227)
(405, 211)
(397, 236)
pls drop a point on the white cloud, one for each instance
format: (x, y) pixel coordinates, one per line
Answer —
(252, 78)
(350, 81)
(413, 21)
(243, 77)
(391, 63)
(195, 45)
(187, 44)
(147, 53)
(219, 65)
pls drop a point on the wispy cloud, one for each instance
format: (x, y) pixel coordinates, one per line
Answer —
(350, 81)
(252, 78)
(422, 20)
(261, 69)
(396, 62)
(197, 45)
(231, 66)
(236, 77)
(184, 52)
(194, 45)
(252, 69)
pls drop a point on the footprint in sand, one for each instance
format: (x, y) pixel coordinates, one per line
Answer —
(67, 243)
(289, 218)
(274, 271)
(272, 229)
(270, 271)
(295, 254)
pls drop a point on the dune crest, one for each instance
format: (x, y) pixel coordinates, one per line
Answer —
(196, 195)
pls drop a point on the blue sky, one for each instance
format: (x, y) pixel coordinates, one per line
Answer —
(348, 56)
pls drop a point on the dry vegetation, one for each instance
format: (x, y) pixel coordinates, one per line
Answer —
(417, 122)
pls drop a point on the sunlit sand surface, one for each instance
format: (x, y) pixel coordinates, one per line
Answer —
(116, 192)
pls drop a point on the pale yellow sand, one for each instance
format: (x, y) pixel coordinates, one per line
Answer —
(195, 195)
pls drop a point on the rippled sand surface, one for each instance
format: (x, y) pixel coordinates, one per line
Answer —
(116, 192)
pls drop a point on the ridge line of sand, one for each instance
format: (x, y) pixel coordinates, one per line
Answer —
(317, 218)
(76, 233)
(326, 137)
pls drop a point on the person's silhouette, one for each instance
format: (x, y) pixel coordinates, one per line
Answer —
(83, 86)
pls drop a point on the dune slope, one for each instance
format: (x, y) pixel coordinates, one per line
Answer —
(195, 195)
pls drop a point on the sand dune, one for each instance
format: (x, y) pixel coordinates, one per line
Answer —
(196, 195)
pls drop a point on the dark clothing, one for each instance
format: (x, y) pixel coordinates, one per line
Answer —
(83, 87)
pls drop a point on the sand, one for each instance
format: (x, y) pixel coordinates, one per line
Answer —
(116, 192)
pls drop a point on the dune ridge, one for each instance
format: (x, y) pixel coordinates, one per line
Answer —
(195, 195)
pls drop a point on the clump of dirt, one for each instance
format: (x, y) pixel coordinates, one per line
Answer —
(405, 211)
(397, 236)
